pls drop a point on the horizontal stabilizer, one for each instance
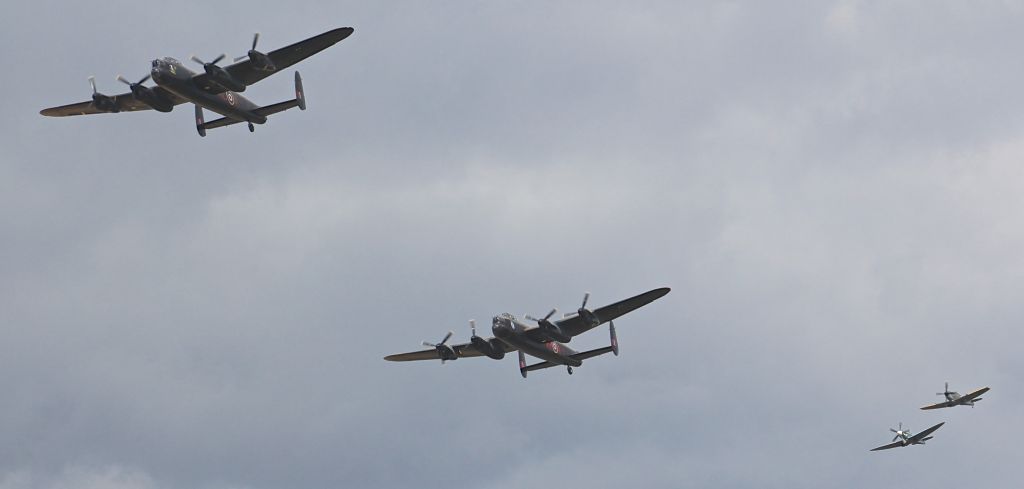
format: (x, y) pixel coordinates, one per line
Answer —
(275, 108)
(579, 356)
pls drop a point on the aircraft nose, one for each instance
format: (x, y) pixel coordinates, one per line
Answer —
(500, 329)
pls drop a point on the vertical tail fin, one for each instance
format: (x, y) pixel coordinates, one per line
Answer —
(614, 339)
(199, 121)
(300, 95)
(522, 364)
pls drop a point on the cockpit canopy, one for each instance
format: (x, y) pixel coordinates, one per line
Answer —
(503, 318)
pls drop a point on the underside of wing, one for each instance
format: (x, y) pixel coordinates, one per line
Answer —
(886, 447)
(574, 325)
(249, 73)
(462, 350)
(924, 434)
(120, 103)
(124, 102)
(938, 405)
(973, 395)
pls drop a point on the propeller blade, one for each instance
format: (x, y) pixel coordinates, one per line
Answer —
(218, 58)
(255, 38)
(240, 58)
(586, 296)
(427, 343)
(92, 81)
(446, 337)
(472, 322)
(124, 80)
(196, 59)
(144, 79)
(552, 313)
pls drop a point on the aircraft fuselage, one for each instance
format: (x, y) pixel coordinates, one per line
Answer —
(171, 75)
(512, 332)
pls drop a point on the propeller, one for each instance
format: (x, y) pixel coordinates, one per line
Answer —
(443, 350)
(899, 433)
(101, 101)
(135, 87)
(531, 318)
(946, 393)
(443, 340)
(124, 80)
(204, 63)
(586, 314)
(255, 38)
(258, 60)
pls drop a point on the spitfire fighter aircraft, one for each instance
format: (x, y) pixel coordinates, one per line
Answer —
(215, 89)
(906, 438)
(955, 399)
(545, 340)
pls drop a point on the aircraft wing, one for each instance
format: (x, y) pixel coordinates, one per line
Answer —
(462, 350)
(886, 447)
(973, 395)
(125, 103)
(574, 325)
(245, 72)
(920, 436)
(939, 405)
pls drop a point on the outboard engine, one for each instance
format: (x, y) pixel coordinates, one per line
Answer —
(587, 315)
(258, 60)
(493, 347)
(444, 351)
(104, 103)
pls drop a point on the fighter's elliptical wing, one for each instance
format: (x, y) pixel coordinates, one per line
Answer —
(258, 66)
(922, 436)
(891, 445)
(973, 396)
(965, 399)
(939, 405)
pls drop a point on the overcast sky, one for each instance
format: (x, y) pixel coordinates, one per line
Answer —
(833, 190)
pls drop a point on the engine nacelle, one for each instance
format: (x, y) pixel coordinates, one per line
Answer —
(261, 61)
(105, 103)
(220, 77)
(588, 317)
(492, 348)
(553, 332)
(151, 98)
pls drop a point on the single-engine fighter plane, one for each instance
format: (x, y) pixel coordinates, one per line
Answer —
(216, 88)
(906, 438)
(955, 399)
(545, 340)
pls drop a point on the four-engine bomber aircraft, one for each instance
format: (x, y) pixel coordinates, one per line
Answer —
(546, 340)
(955, 399)
(215, 89)
(905, 438)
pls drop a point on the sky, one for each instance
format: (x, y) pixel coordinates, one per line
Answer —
(832, 190)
